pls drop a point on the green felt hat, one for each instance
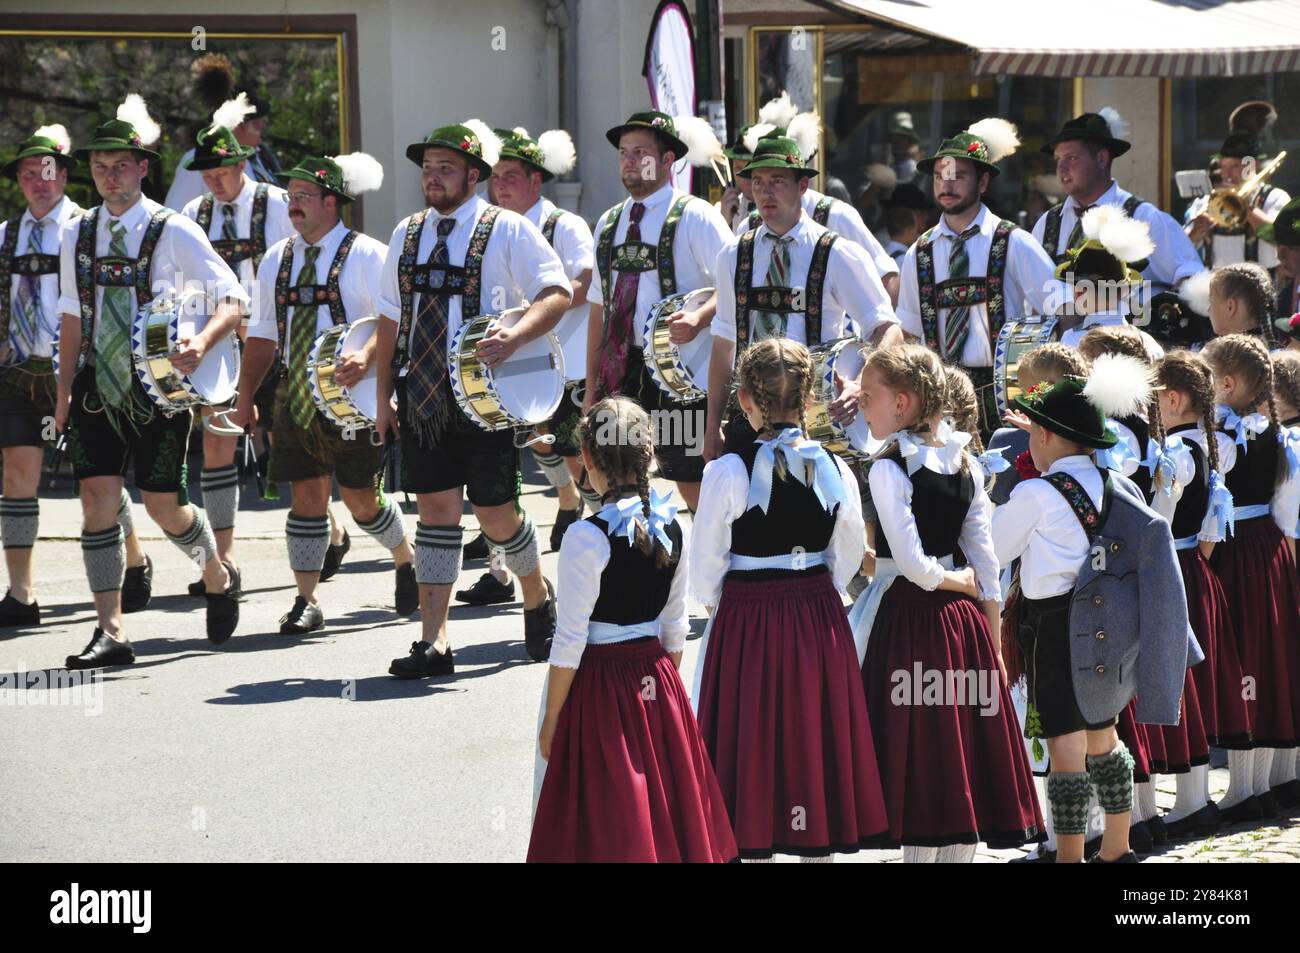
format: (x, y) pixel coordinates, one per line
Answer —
(458, 138)
(218, 147)
(1092, 261)
(550, 154)
(961, 146)
(46, 141)
(1063, 409)
(324, 172)
(738, 149)
(662, 123)
(777, 152)
(1285, 229)
(116, 135)
(1091, 127)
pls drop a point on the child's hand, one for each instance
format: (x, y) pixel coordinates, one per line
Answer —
(869, 563)
(1015, 418)
(546, 736)
(960, 580)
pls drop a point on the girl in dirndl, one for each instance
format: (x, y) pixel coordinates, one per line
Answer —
(952, 762)
(777, 536)
(627, 775)
(1286, 389)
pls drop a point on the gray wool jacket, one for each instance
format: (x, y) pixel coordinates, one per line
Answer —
(1129, 632)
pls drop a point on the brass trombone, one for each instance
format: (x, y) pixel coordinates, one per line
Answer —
(1228, 207)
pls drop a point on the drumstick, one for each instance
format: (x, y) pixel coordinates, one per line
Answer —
(60, 448)
(723, 177)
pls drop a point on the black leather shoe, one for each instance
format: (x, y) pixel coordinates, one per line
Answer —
(1288, 795)
(1202, 823)
(1039, 855)
(1128, 858)
(476, 548)
(487, 591)
(407, 595)
(137, 587)
(1268, 802)
(1156, 827)
(100, 652)
(302, 618)
(198, 587)
(223, 609)
(1139, 838)
(539, 627)
(334, 557)
(423, 662)
(563, 520)
(1246, 811)
(15, 615)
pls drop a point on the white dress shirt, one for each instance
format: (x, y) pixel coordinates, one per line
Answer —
(1110, 319)
(1038, 527)
(358, 284)
(518, 264)
(1175, 256)
(701, 233)
(278, 225)
(182, 259)
(47, 285)
(1030, 285)
(584, 554)
(187, 184)
(724, 492)
(891, 492)
(851, 285)
(577, 250)
(1230, 249)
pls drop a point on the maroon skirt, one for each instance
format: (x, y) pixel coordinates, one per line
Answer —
(954, 767)
(1218, 679)
(1176, 749)
(782, 713)
(1259, 579)
(629, 779)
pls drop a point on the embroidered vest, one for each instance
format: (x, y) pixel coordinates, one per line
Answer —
(780, 300)
(821, 213)
(962, 292)
(11, 264)
(112, 271)
(464, 280)
(638, 256)
(548, 226)
(287, 297)
(1052, 227)
(254, 246)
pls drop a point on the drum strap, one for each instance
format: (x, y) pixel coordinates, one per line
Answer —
(822, 210)
(780, 300)
(287, 297)
(965, 291)
(112, 271)
(637, 256)
(254, 246)
(31, 264)
(548, 226)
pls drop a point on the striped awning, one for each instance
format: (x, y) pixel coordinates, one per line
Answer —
(1104, 37)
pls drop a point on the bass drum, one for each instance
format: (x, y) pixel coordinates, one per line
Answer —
(1016, 339)
(844, 357)
(523, 390)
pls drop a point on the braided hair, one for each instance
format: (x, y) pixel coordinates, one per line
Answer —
(1191, 376)
(912, 369)
(1245, 357)
(1051, 362)
(778, 374)
(1286, 377)
(1249, 283)
(616, 433)
(961, 407)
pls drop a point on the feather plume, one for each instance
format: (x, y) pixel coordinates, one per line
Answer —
(521, 131)
(756, 132)
(134, 111)
(1119, 385)
(361, 172)
(1115, 122)
(701, 144)
(214, 78)
(1195, 292)
(231, 113)
(779, 112)
(490, 141)
(805, 129)
(1001, 137)
(558, 153)
(1095, 219)
(1127, 239)
(60, 136)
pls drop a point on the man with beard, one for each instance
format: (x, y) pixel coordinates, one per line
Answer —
(447, 264)
(967, 276)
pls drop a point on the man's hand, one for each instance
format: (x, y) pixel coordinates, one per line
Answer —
(188, 354)
(730, 203)
(352, 367)
(498, 345)
(844, 408)
(62, 407)
(713, 445)
(683, 326)
(1200, 227)
(386, 420)
(244, 416)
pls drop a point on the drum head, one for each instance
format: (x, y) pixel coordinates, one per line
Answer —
(571, 332)
(216, 378)
(364, 393)
(530, 384)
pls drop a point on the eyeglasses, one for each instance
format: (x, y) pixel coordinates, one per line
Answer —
(300, 198)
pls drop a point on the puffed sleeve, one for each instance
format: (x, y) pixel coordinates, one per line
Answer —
(372, 276)
(1015, 520)
(674, 624)
(891, 491)
(261, 323)
(722, 501)
(200, 263)
(584, 554)
(849, 538)
(534, 265)
(390, 298)
(574, 244)
(856, 284)
(724, 271)
(976, 539)
(707, 235)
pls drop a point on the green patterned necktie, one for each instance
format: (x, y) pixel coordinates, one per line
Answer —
(302, 334)
(771, 324)
(957, 325)
(228, 223)
(113, 354)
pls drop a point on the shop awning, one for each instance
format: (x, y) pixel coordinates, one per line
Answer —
(1103, 37)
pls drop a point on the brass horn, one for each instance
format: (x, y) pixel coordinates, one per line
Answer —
(1228, 207)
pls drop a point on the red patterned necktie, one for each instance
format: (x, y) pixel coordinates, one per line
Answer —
(619, 334)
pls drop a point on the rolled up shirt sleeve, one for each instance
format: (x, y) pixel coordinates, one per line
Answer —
(584, 554)
(674, 622)
(199, 263)
(723, 492)
(390, 297)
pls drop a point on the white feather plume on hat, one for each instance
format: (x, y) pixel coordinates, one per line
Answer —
(1097, 218)
(558, 153)
(779, 112)
(1115, 122)
(756, 132)
(231, 113)
(1001, 137)
(62, 141)
(1126, 238)
(701, 144)
(805, 129)
(134, 111)
(1118, 385)
(1195, 291)
(489, 141)
(361, 172)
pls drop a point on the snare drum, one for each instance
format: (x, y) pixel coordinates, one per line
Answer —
(845, 357)
(355, 407)
(681, 371)
(1016, 339)
(571, 332)
(521, 391)
(156, 333)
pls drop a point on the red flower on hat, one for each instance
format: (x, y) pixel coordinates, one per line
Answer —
(222, 152)
(321, 173)
(468, 143)
(791, 160)
(973, 147)
(58, 147)
(135, 141)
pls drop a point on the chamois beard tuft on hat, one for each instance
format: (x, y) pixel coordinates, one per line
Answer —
(489, 140)
(882, 176)
(134, 111)
(1126, 238)
(778, 112)
(558, 153)
(231, 113)
(1001, 137)
(1114, 122)
(702, 146)
(361, 172)
(214, 78)
(1195, 291)
(1118, 385)
(59, 134)
(755, 133)
(805, 129)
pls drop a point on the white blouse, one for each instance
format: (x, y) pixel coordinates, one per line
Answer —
(584, 554)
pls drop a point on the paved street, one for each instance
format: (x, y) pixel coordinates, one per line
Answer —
(274, 748)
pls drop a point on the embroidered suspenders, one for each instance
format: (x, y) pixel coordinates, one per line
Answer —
(1052, 227)
(959, 292)
(287, 297)
(638, 256)
(11, 264)
(822, 210)
(548, 226)
(254, 246)
(780, 300)
(1080, 503)
(119, 272)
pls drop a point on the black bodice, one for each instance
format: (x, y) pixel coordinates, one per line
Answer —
(632, 588)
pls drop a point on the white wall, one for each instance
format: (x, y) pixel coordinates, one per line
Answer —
(1138, 101)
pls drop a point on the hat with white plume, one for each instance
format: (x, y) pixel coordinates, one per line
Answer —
(985, 143)
(45, 141)
(552, 153)
(345, 176)
(472, 138)
(132, 129)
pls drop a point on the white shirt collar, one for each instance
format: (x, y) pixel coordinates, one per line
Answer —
(131, 218)
(661, 196)
(244, 197)
(1109, 197)
(55, 215)
(470, 205)
(980, 221)
(332, 237)
(1075, 463)
(799, 232)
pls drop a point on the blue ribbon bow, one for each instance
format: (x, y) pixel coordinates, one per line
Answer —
(1163, 459)
(826, 482)
(993, 462)
(1289, 437)
(1246, 428)
(623, 516)
(1221, 506)
(910, 446)
(1114, 458)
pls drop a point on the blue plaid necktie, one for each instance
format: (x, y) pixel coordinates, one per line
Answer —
(429, 344)
(29, 315)
(228, 231)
